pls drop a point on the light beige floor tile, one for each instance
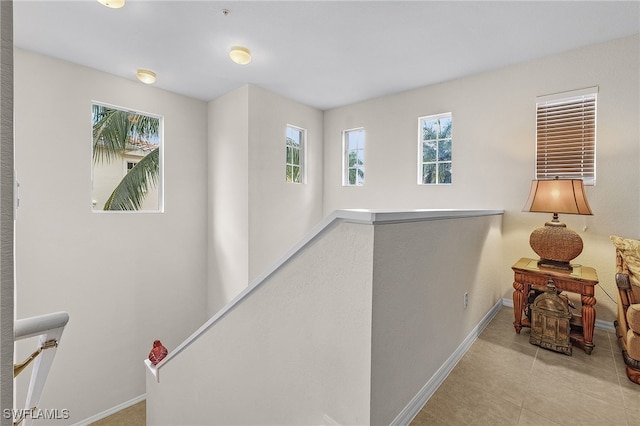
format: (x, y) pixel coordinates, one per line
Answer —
(602, 363)
(556, 370)
(605, 339)
(135, 415)
(621, 368)
(502, 384)
(504, 333)
(531, 418)
(425, 418)
(633, 416)
(600, 359)
(630, 393)
(471, 408)
(508, 357)
(568, 407)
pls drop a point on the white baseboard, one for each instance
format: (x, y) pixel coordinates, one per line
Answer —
(111, 410)
(507, 302)
(605, 325)
(421, 398)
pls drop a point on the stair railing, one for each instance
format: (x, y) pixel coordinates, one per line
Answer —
(49, 328)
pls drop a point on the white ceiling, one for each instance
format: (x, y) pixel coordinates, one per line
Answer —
(321, 53)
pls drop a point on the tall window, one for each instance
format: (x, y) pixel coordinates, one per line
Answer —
(434, 164)
(566, 135)
(127, 160)
(295, 144)
(353, 160)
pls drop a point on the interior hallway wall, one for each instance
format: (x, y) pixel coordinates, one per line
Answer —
(493, 151)
(280, 213)
(6, 208)
(125, 278)
(255, 215)
(228, 198)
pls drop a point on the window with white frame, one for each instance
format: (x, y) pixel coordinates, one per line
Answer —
(127, 161)
(434, 149)
(353, 157)
(295, 145)
(566, 135)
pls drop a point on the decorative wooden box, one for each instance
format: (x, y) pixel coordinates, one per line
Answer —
(550, 321)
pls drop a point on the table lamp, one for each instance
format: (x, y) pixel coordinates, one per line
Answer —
(556, 244)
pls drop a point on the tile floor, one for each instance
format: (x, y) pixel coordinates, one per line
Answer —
(504, 380)
(136, 415)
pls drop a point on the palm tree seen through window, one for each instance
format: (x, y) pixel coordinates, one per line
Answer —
(126, 160)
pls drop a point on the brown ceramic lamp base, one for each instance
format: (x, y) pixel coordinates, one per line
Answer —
(556, 245)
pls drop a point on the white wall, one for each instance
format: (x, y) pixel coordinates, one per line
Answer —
(228, 198)
(125, 279)
(6, 207)
(255, 215)
(493, 151)
(297, 349)
(280, 213)
(421, 273)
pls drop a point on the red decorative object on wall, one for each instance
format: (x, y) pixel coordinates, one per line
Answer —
(157, 353)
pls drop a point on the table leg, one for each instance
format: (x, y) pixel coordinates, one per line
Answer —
(518, 305)
(588, 321)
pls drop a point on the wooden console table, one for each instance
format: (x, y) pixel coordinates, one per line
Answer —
(581, 280)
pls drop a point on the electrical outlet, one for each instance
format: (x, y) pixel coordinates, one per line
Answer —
(466, 299)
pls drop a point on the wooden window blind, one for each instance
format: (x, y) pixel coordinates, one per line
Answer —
(566, 137)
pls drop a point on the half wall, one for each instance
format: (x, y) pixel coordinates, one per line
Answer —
(345, 329)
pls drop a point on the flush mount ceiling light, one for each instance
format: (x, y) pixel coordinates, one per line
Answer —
(240, 55)
(146, 76)
(113, 4)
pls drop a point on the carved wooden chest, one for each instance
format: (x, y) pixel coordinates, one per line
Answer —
(550, 321)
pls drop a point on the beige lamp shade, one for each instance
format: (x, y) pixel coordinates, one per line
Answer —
(556, 244)
(558, 196)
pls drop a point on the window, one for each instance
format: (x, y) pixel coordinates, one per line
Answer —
(126, 153)
(566, 135)
(353, 160)
(295, 142)
(434, 150)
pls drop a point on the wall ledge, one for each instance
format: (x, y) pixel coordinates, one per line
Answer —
(380, 217)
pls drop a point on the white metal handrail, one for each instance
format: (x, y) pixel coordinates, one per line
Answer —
(49, 328)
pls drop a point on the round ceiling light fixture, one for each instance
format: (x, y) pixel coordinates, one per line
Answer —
(113, 4)
(146, 76)
(240, 55)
